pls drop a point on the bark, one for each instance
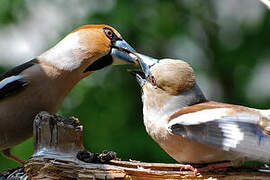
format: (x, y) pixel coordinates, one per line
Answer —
(58, 140)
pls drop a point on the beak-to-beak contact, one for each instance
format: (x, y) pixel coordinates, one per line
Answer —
(145, 63)
(120, 53)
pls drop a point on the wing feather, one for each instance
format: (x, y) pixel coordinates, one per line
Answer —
(11, 81)
(11, 85)
(237, 132)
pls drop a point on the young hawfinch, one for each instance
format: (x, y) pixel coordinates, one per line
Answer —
(192, 129)
(43, 83)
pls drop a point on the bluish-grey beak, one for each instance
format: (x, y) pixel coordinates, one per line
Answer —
(119, 55)
(145, 63)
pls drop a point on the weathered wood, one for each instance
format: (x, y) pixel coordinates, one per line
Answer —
(58, 139)
(57, 135)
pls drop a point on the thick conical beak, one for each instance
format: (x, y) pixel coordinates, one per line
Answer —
(140, 77)
(145, 63)
(120, 53)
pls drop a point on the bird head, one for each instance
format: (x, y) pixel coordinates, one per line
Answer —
(89, 48)
(170, 76)
(164, 79)
(167, 75)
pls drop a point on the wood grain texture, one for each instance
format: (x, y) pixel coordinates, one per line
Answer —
(57, 162)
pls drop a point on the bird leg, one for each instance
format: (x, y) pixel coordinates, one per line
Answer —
(8, 154)
(208, 167)
(216, 166)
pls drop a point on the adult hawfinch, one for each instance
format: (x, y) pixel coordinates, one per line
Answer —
(43, 83)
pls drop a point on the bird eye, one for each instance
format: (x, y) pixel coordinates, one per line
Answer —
(109, 33)
(153, 81)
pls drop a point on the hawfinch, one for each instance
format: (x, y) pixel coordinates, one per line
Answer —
(43, 83)
(192, 129)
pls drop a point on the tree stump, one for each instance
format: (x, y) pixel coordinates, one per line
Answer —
(58, 140)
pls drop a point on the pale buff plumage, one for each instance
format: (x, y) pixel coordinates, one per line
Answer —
(174, 102)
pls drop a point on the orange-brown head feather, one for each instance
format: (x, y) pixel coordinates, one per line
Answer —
(97, 26)
(95, 50)
(88, 49)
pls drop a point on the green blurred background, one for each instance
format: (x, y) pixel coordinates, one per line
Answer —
(227, 43)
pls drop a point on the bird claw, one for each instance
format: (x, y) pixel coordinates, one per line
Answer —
(209, 167)
(190, 168)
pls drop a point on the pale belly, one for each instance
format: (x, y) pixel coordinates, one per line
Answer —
(187, 151)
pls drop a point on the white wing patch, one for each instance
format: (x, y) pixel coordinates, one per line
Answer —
(8, 80)
(238, 132)
(200, 116)
(233, 135)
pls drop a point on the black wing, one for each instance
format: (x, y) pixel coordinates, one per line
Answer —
(11, 81)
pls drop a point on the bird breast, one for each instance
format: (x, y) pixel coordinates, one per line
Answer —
(155, 124)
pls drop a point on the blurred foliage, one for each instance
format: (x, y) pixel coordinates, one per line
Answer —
(9, 11)
(108, 103)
